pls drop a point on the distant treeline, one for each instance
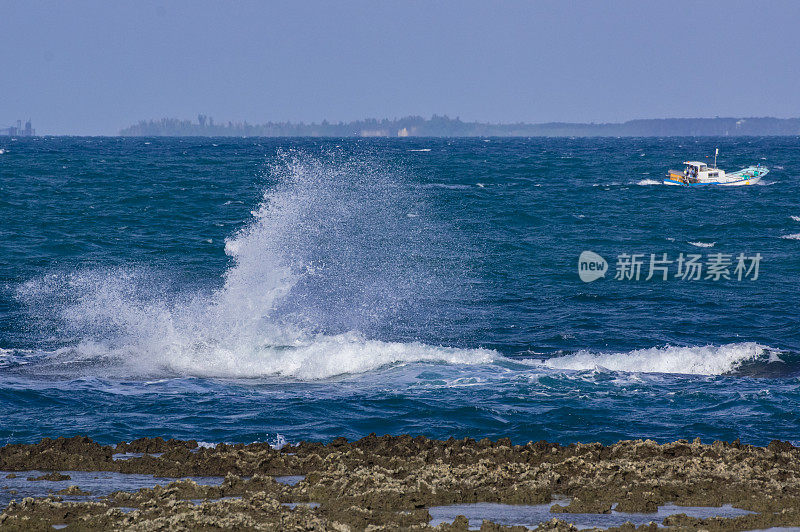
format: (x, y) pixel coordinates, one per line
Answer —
(442, 126)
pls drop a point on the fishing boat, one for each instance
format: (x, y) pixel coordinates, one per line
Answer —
(698, 173)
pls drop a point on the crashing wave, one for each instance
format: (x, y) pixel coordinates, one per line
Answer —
(705, 360)
(310, 275)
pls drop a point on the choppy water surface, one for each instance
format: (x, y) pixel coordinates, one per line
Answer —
(238, 289)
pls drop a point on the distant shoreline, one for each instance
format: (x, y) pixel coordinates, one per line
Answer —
(442, 126)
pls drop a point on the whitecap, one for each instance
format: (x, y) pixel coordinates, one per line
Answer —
(795, 218)
(702, 244)
(795, 236)
(645, 182)
(700, 360)
(315, 358)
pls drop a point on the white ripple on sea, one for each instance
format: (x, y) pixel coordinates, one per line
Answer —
(699, 244)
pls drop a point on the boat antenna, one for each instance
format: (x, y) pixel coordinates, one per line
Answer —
(716, 152)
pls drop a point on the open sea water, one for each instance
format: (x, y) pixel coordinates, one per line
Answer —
(245, 290)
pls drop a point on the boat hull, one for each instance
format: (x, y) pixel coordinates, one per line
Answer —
(747, 176)
(738, 183)
(741, 182)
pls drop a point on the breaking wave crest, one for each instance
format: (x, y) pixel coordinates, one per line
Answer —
(313, 358)
(322, 264)
(706, 360)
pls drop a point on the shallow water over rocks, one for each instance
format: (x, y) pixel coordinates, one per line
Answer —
(532, 515)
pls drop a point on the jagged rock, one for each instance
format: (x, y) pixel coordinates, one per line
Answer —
(388, 482)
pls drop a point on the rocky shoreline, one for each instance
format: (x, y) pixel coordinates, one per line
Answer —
(390, 483)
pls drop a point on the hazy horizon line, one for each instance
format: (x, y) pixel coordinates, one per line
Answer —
(201, 121)
(487, 122)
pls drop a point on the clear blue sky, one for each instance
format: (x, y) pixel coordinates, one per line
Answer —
(93, 67)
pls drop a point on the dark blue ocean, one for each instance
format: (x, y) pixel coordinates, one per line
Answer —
(244, 290)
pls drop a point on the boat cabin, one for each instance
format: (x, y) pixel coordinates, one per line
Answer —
(699, 171)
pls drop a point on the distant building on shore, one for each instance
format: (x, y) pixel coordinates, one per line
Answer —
(18, 130)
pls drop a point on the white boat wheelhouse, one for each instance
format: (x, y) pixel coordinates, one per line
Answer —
(700, 172)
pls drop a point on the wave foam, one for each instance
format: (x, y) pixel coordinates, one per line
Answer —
(646, 182)
(312, 275)
(702, 244)
(706, 360)
(317, 358)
